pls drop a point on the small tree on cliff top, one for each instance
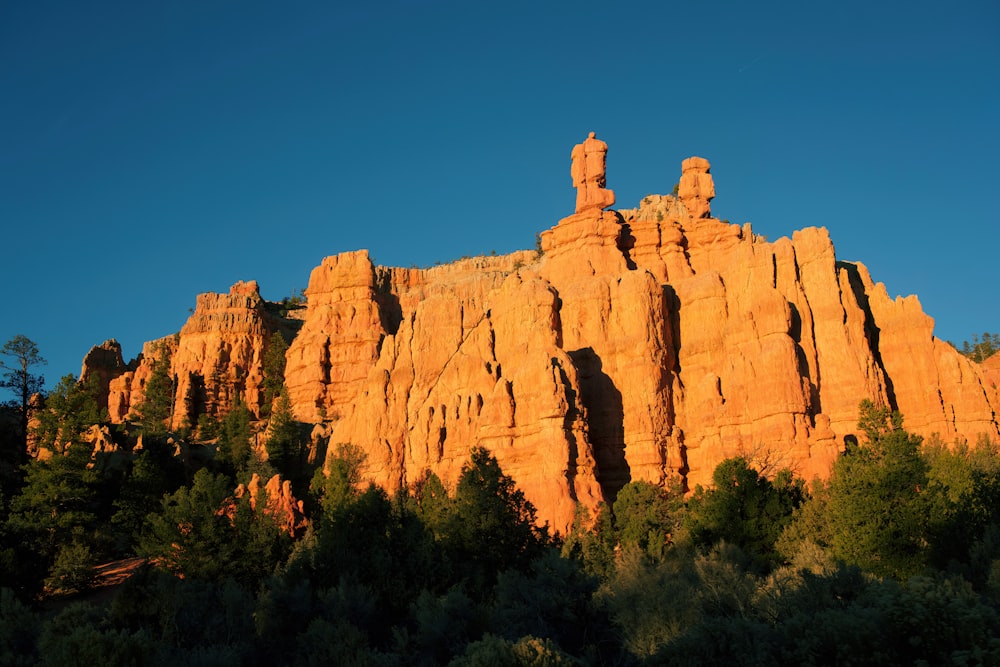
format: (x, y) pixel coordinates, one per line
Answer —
(981, 349)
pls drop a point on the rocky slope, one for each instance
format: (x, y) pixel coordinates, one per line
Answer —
(638, 344)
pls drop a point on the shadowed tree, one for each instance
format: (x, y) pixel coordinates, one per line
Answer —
(284, 443)
(234, 439)
(70, 409)
(744, 508)
(203, 532)
(158, 397)
(491, 526)
(274, 371)
(21, 358)
(877, 507)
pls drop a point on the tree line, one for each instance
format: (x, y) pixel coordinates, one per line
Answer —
(893, 559)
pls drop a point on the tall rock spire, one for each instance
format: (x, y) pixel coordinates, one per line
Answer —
(589, 175)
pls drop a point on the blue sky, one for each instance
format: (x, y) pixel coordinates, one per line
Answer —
(153, 151)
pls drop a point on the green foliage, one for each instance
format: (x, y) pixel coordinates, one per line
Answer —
(59, 494)
(203, 532)
(155, 472)
(468, 578)
(284, 442)
(73, 567)
(444, 625)
(340, 484)
(190, 621)
(963, 500)
(234, 438)
(78, 636)
(19, 630)
(208, 427)
(295, 301)
(491, 526)
(877, 509)
(158, 395)
(22, 357)
(593, 543)
(647, 517)
(981, 348)
(650, 603)
(493, 651)
(744, 508)
(552, 600)
(274, 371)
(70, 409)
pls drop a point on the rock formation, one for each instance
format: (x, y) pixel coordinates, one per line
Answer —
(588, 172)
(279, 503)
(696, 188)
(991, 372)
(104, 362)
(640, 344)
(216, 357)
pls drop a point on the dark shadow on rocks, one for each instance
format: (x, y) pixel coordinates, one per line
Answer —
(605, 421)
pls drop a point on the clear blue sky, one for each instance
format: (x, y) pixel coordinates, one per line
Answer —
(153, 151)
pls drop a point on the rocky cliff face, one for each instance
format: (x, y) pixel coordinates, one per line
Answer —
(216, 357)
(639, 344)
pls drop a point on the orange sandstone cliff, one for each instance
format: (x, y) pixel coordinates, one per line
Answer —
(638, 344)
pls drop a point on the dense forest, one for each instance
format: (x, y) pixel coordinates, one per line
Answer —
(894, 559)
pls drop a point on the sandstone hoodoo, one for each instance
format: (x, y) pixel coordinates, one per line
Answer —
(639, 344)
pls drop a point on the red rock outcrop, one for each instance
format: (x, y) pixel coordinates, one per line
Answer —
(216, 357)
(328, 361)
(696, 188)
(642, 343)
(104, 362)
(991, 372)
(279, 502)
(588, 171)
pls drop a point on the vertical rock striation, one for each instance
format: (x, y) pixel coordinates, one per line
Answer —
(639, 344)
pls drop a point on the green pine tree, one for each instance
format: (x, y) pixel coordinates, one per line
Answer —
(157, 403)
(274, 371)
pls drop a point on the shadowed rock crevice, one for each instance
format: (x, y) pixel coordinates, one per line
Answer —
(572, 415)
(625, 243)
(606, 419)
(871, 330)
(795, 331)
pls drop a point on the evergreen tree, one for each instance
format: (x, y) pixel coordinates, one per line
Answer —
(491, 527)
(203, 532)
(877, 509)
(234, 438)
(22, 357)
(745, 509)
(156, 407)
(155, 472)
(981, 348)
(194, 402)
(274, 370)
(340, 484)
(284, 443)
(70, 409)
(647, 517)
(57, 510)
